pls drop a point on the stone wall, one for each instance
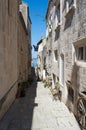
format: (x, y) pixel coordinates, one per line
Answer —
(70, 34)
(14, 52)
(22, 50)
(24, 41)
(73, 29)
(8, 54)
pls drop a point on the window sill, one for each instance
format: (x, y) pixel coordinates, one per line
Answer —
(71, 10)
(81, 63)
(55, 61)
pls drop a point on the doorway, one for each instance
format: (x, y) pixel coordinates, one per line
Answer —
(61, 73)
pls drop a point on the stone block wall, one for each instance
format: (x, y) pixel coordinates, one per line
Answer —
(8, 54)
(14, 52)
(72, 30)
(22, 51)
(70, 34)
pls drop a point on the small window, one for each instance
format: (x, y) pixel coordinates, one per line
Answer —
(58, 13)
(49, 52)
(70, 2)
(85, 53)
(54, 79)
(71, 94)
(80, 53)
(55, 55)
(57, 17)
(70, 6)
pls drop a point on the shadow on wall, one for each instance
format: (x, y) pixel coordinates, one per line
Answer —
(57, 33)
(20, 115)
(68, 21)
(73, 90)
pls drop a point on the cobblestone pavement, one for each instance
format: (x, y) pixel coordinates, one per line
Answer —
(37, 111)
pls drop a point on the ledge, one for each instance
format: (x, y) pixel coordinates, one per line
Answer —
(81, 63)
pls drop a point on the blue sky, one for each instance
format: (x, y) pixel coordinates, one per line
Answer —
(37, 9)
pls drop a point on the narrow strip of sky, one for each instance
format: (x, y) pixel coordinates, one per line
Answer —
(37, 9)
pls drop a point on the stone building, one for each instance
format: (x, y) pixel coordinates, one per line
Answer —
(44, 61)
(40, 58)
(13, 52)
(24, 42)
(25, 13)
(66, 46)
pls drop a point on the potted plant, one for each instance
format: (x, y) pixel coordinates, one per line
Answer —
(45, 83)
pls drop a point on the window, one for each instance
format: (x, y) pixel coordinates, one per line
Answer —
(55, 55)
(49, 52)
(85, 53)
(71, 94)
(58, 13)
(54, 79)
(81, 53)
(70, 2)
(70, 6)
(57, 16)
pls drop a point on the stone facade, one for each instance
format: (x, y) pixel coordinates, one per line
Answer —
(25, 13)
(66, 27)
(24, 43)
(13, 50)
(40, 58)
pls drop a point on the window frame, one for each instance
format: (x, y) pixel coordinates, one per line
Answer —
(58, 15)
(70, 8)
(70, 3)
(71, 94)
(83, 53)
(56, 55)
(76, 44)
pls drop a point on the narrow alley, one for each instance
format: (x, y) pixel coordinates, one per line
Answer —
(38, 111)
(42, 65)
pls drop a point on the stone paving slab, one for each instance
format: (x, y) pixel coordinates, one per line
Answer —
(37, 111)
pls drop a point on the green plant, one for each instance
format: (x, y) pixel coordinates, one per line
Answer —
(44, 81)
(47, 83)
